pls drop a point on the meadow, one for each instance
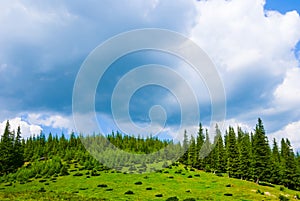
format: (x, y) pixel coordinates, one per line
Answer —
(173, 183)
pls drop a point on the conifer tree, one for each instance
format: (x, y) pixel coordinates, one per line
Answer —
(244, 156)
(200, 141)
(7, 150)
(261, 154)
(18, 150)
(275, 160)
(232, 154)
(289, 171)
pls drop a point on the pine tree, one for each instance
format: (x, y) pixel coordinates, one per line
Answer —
(232, 154)
(244, 156)
(18, 150)
(200, 141)
(185, 145)
(261, 153)
(218, 152)
(290, 176)
(192, 152)
(275, 160)
(7, 150)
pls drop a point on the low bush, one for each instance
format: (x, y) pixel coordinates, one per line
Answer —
(228, 194)
(149, 188)
(128, 193)
(171, 177)
(197, 175)
(102, 185)
(190, 176)
(172, 199)
(42, 190)
(159, 195)
(189, 199)
(260, 192)
(109, 189)
(138, 183)
(42, 180)
(283, 198)
(78, 174)
(9, 184)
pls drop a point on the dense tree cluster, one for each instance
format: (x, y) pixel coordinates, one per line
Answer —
(241, 155)
(247, 156)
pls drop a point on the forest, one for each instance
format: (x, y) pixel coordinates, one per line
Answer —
(241, 155)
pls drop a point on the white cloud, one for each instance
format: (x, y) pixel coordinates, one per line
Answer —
(51, 120)
(245, 40)
(287, 94)
(27, 129)
(291, 131)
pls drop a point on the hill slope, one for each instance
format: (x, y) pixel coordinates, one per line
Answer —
(175, 181)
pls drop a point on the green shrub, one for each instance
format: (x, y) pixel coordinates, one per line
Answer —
(138, 183)
(149, 188)
(42, 190)
(283, 198)
(128, 193)
(281, 188)
(189, 199)
(109, 189)
(102, 185)
(78, 174)
(197, 175)
(228, 194)
(172, 199)
(159, 195)
(260, 192)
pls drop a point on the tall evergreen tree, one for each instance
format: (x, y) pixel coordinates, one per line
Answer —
(18, 150)
(200, 141)
(232, 154)
(7, 150)
(218, 152)
(261, 153)
(289, 171)
(244, 156)
(275, 160)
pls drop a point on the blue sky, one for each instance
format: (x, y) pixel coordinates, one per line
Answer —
(254, 45)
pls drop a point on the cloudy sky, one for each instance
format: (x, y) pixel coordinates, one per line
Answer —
(254, 44)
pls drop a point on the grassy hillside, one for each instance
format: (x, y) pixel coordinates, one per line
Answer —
(175, 181)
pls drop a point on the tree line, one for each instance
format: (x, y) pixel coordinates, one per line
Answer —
(242, 155)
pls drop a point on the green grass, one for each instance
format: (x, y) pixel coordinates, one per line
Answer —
(206, 187)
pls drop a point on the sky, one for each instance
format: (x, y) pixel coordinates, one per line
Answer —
(254, 44)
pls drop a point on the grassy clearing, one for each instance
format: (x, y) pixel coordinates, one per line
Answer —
(111, 185)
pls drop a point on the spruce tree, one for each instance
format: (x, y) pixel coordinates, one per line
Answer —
(289, 171)
(232, 154)
(275, 160)
(200, 141)
(218, 152)
(18, 150)
(7, 150)
(261, 154)
(244, 156)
